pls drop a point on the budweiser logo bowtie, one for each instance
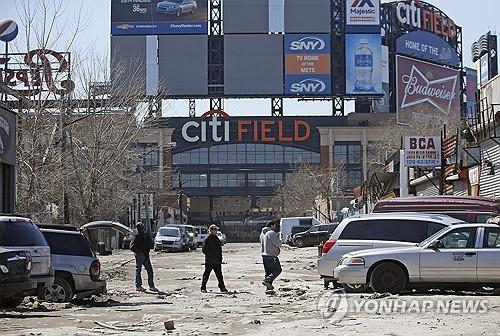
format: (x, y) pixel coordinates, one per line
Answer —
(440, 93)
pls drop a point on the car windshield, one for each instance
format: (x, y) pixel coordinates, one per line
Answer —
(433, 237)
(20, 233)
(169, 232)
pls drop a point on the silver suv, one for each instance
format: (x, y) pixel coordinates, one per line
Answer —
(77, 268)
(17, 233)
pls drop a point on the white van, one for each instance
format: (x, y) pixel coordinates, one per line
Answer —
(286, 225)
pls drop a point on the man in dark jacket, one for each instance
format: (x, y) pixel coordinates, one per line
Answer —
(141, 245)
(212, 249)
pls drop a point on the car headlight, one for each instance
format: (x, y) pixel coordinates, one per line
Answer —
(356, 261)
(4, 269)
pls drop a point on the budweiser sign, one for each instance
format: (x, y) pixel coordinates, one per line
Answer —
(427, 91)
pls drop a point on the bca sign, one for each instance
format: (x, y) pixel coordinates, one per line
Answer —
(422, 151)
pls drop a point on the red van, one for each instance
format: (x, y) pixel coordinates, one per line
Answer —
(467, 208)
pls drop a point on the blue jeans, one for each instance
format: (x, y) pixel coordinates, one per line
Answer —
(141, 259)
(272, 268)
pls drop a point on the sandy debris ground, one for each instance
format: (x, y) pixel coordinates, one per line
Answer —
(246, 310)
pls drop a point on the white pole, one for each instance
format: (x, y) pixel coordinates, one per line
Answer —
(403, 175)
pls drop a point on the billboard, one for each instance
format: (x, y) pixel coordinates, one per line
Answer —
(159, 17)
(422, 151)
(307, 16)
(363, 64)
(426, 92)
(485, 69)
(363, 16)
(471, 91)
(427, 46)
(307, 64)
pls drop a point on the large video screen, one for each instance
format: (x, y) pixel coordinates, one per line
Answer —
(159, 17)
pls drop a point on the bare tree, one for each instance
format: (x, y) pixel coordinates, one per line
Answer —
(309, 187)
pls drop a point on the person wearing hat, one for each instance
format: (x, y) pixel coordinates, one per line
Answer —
(212, 249)
(141, 244)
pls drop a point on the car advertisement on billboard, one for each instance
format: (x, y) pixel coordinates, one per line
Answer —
(159, 17)
(363, 16)
(363, 64)
(427, 46)
(307, 64)
(426, 92)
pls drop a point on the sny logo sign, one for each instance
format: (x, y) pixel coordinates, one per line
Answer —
(308, 43)
(310, 85)
(363, 3)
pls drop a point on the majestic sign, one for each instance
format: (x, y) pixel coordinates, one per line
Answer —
(427, 46)
(422, 151)
(307, 64)
(363, 16)
(216, 125)
(426, 91)
(157, 17)
(415, 15)
(363, 64)
(40, 70)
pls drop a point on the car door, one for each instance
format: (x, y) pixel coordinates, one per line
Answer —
(311, 236)
(488, 256)
(454, 261)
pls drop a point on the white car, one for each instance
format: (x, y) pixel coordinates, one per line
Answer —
(171, 239)
(377, 231)
(465, 256)
(200, 234)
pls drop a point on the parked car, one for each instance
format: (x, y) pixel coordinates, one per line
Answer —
(171, 239)
(463, 256)
(222, 237)
(467, 208)
(17, 233)
(77, 269)
(201, 234)
(177, 7)
(15, 271)
(378, 231)
(287, 223)
(189, 232)
(317, 234)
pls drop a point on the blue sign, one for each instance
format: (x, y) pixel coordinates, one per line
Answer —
(362, 16)
(159, 17)
(307, 64)
(363, 64)
(427, 46)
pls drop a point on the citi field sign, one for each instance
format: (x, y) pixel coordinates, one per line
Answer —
(216, 126)
(418, 15)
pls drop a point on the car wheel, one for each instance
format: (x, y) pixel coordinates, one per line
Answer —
(12, 302)
(388, 278)
(355, 288)
(60, 291)
(299, 242)
(178, 13)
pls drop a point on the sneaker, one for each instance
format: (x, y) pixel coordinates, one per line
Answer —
(268, 285)
(203, 290)
(140, 289)
(154, 289)
(224, 290)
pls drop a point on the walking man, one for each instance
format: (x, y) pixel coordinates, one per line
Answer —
(270, 243)
(212, 249)
(141, 245)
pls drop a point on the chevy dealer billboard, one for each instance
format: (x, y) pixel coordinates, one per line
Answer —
(426, 92)
(363, 16)
(307, 64)
(363, 64)
(427, 46)
(159, 17)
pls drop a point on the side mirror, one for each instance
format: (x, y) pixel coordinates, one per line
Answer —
(436, 245)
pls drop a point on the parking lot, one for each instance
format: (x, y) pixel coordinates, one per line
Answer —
(299, 305)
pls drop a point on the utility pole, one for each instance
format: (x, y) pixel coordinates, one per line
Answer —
(180, 198)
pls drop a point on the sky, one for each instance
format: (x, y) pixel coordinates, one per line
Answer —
(476, 17)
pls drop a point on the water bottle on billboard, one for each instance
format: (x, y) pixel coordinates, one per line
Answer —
(363, 62)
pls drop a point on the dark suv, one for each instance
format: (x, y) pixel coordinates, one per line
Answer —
(15, 271)
(17, 233)
(77, 268)
(316, 235)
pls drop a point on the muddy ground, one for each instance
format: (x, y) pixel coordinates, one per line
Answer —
(247, 309)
